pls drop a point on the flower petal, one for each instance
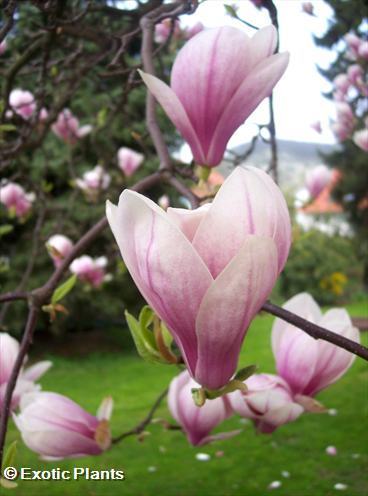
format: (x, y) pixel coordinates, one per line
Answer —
(34, 372)
(228, 307)
(257, 86)
(301, 304)
(249, 202)
(176, 112)
(188, 220)
(165, 267)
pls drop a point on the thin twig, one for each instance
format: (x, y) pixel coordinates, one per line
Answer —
(316, 331)
(146, 421)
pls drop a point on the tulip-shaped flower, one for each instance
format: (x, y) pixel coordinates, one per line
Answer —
(56, 427)
(197, 422)
(93, 181)
(67, 127)
(89, 270)
(309, 365)
(163, 30)
(129, 160)
(317, 179)
(268, 402)
(3, 45)
(360, 138)
(9, 349)
(215, 87)
(23, 103)
(207, 272)
(15, 199)
(59, 247)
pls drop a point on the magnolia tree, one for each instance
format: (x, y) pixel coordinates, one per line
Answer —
(206, 270)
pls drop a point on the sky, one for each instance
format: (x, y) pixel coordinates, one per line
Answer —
(298, 98)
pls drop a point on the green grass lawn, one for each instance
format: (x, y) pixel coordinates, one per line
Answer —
(249, 462)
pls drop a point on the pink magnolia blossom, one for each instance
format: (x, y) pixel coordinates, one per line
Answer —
(307, 364)
(3, 45)
(23, 103)
(43, 115)
(94, 181)
(353, 41)
(193, 30)
(355, 74)
(345, 113)
(316, 126)
(163, 30)
(208, 271)
(197, 422)
(15, 199)
(214, 88)
(363, 50)
(90, 270)
(164, 202)
(317, 179)
(342, 83)
(308, 8)
(129, 160)
(9, 349)
(67, 127)
(360, 138)
(268, 402)
(257, 3)
(59, 247)
(341, 130)
(56, 427)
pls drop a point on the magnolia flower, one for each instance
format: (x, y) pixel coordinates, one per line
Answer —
(193, 30)
(360, 138)
(2, 47)
(67, 127)
(15, 199)
(316, 126)
(363, 50)
(355, 74)
(317, 179)
(197, 422)
(163, 30)
(59, 247)
(308, 8)
(90, 270)
(341, 130)
(55, 427)
(309, 365)
(129, 160)
(207, 272)
(353, 41)
(43, 115)
(23, 103)
(94, 181)
(9, 349)
(268, 402)
(222, 88)
(342, 82)
(164, 202)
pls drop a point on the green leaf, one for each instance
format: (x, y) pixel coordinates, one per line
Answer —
(168, 339)
(63, 289)
(144, 349)
(246, 372)
(5, 229)
(7, 127)
(230, 10)
(10, 454)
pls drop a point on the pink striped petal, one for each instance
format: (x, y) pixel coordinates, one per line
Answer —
(229, 305)
(188, 220)
(176, 112)
(34, 372)
(301, 304)
(248, 202)
(257, 86)
(165, 267)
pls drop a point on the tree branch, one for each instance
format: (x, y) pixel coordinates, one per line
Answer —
(316, 331)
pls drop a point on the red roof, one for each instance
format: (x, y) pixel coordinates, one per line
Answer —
(323, 203)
